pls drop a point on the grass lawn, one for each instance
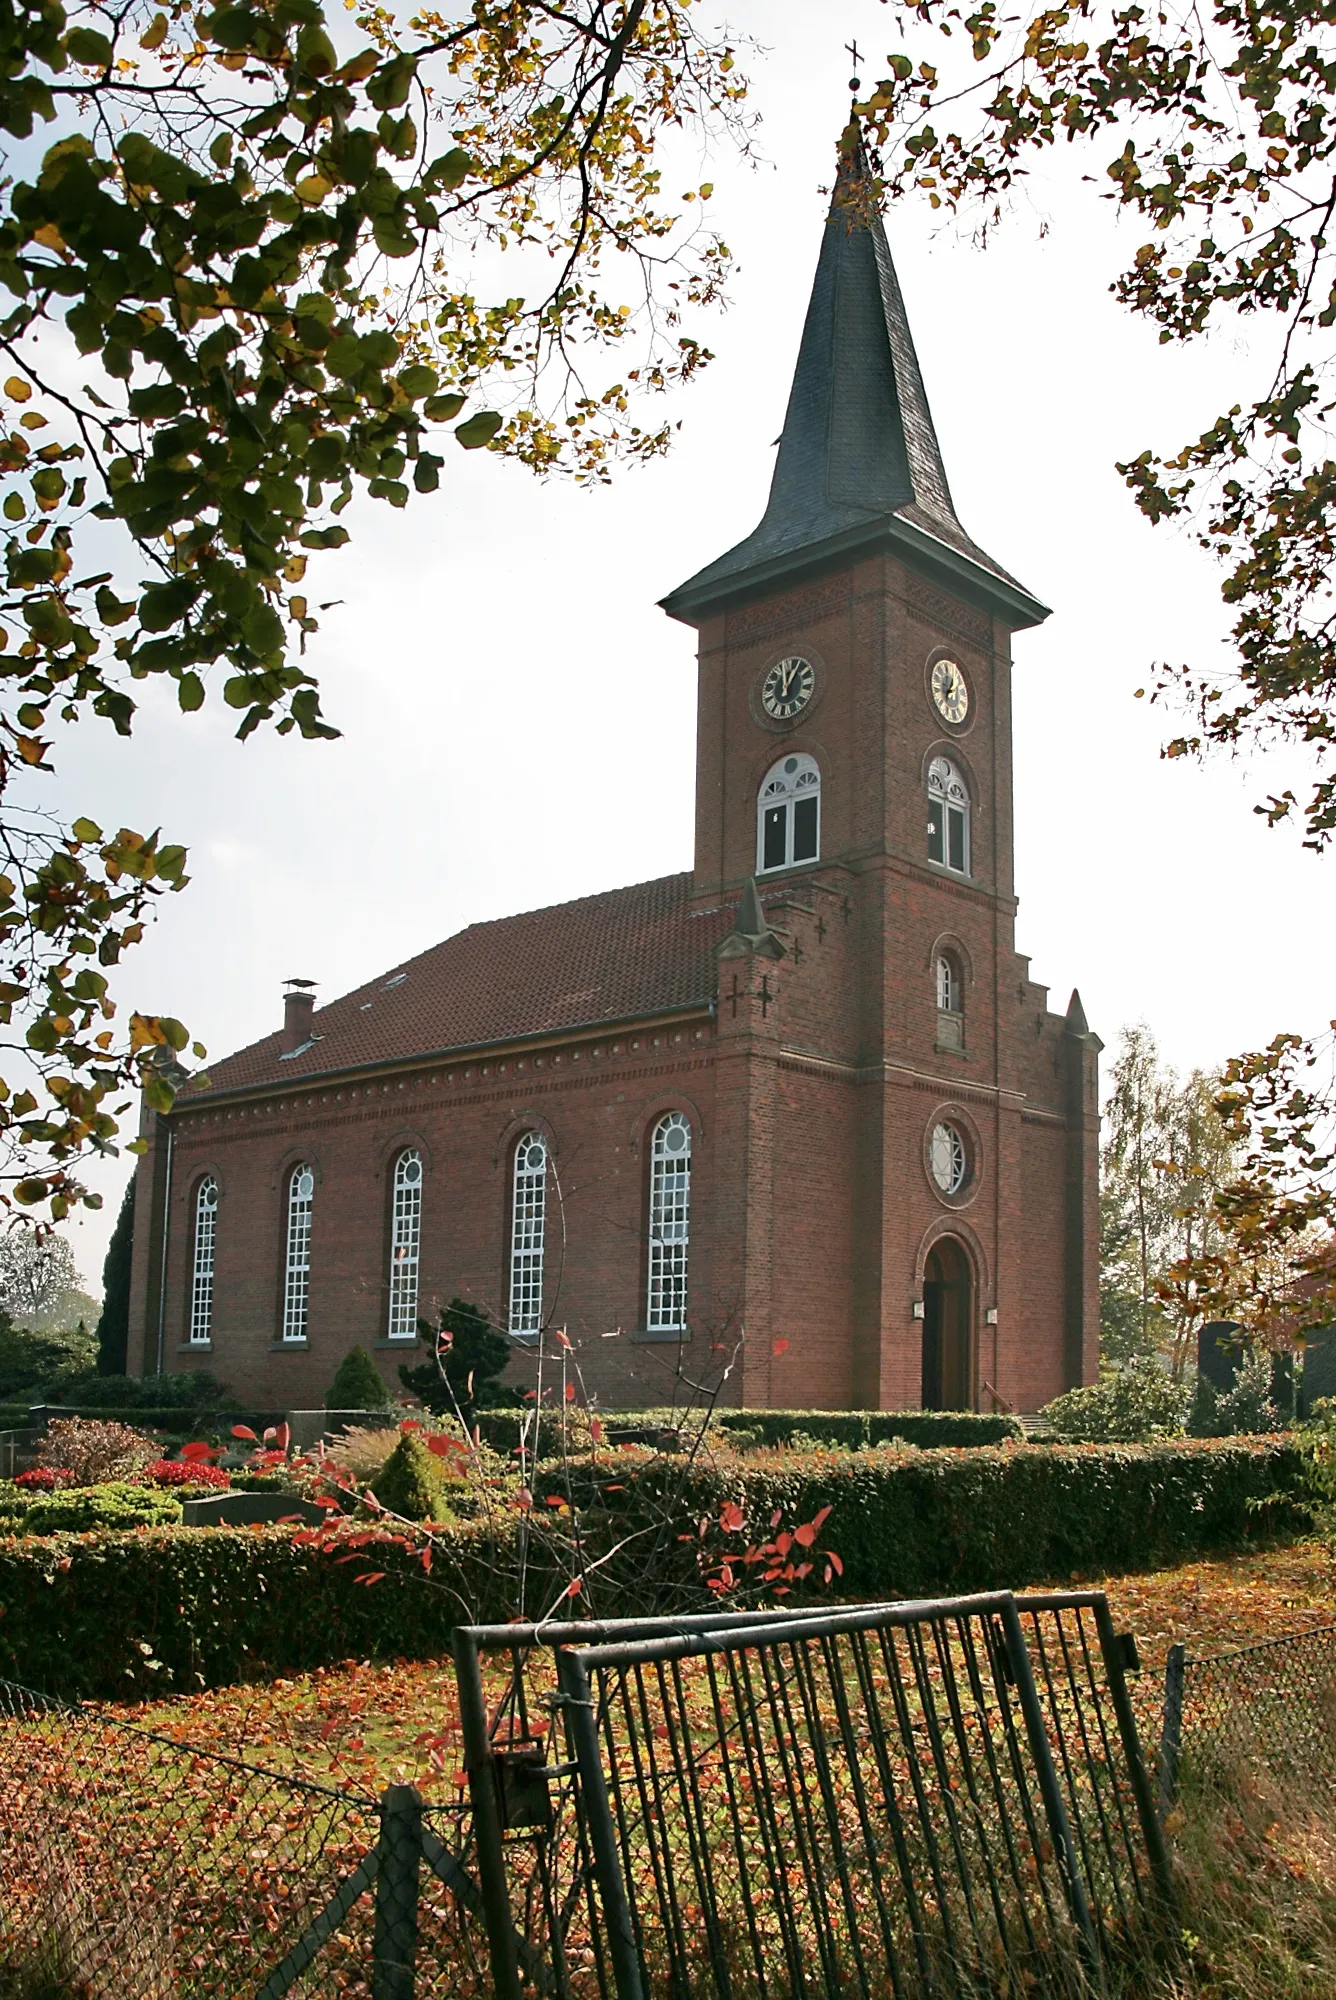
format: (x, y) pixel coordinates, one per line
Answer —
(368, 1725)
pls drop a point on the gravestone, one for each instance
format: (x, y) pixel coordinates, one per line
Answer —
(245, 1510)
(1219, 1354)
(1319, 1376)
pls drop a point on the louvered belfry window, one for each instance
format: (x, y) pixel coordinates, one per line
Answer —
(528, 1220)
(405, 1245)
(669, 1223)
(201, 1277)
(297, 1265)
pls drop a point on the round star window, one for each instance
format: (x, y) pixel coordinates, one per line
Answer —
(949, 1158)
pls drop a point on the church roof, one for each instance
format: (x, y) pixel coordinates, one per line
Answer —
(859, 465)
(624, 955)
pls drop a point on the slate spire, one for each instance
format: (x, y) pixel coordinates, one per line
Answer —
(859, 465)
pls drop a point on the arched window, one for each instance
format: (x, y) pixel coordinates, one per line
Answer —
(669, 1223)
(201, 1279)
(528, 1210)
(788, 814)
(950, 1002)
(405, 1241)
(948, 816)
(297, 1266)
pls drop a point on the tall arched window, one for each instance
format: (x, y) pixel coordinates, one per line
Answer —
(528, 1211)
(405, 1241)
(950, 1002)
(669, 1223)
(297, 1266)
(788, 814)
(201, 1277)
(948, 816)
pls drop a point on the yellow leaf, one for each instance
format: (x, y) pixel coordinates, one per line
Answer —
(49, 237)
(18, 389)
(33, 420)
(155, 34)
(312, 189)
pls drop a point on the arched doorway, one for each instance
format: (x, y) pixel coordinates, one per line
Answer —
(948, 1323)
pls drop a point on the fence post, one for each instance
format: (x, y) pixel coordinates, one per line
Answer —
(1171, 1730)
(1112, 1649)
(399, 1851)
(487, 1830)
(1050, 1791)
(619, 1923)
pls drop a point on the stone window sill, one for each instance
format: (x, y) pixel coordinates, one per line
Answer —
(404, 1344)
(288, 1346)
(195, 1347)
(678, 1336)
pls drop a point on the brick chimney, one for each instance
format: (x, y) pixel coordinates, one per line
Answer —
(298, 1013)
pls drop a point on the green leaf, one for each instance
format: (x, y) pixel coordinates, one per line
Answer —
(417, 381)
(220, 152)
(190, 692)
(480, 429)
(440, 409)
(30, 1192)
(451, 170)
(86, 830)
(390, 85)
(42, 1035)
(86, 47)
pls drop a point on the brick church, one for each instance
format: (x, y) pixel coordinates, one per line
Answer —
(800, 1106)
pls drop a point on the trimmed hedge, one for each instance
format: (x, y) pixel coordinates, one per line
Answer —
(843, 1430)
(114, 1504)
(115, 1615)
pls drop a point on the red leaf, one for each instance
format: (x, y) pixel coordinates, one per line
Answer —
(374, 1576)
(784, 1542)
(570, 1392)
(574, 1587)
(780, 1347)
(282, 1438)
(525, 1500)
(731, 1518)
(559, 1335)
(818, 1519)
(596, 1430)
(806, 1535)
(243, 1431)
(776, 1518)
(196, 1450)
(835, 1562)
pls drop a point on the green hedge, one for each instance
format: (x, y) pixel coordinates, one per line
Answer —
(118, 1614)
(75, 1509)
(848, 1430)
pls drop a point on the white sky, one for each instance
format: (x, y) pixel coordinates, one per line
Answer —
(519, 718)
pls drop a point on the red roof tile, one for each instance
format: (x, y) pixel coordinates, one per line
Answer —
(618, 956)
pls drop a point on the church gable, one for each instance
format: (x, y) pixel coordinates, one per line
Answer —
(626, 954)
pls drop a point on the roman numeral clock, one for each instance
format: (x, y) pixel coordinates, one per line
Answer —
(788, 688)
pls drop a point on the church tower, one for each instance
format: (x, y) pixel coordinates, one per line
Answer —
(906, 1171)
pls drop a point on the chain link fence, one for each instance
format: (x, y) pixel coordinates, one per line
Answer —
(137, 1867)
(1264, 1713)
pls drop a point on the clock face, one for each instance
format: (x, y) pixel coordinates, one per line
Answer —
(949, 691)
(788, 687)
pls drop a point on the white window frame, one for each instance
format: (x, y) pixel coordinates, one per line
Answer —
(950, 1158)
(792, 779)
(405, 1245)
(948, 985)
(528, 1223)
(669, 1224)
(204, 1253)
(297, 1263)
(948, 792)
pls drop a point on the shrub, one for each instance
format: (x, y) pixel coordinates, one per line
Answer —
(43, 1479)
(362, 1453)
(93, 1451)
(850, 1430)
(192, 1391)
(173, 1472)
(412, 1482)
(1245, 1410)
(358, 1384)
(1133, 1406)
(261, 1482)
(114, 1504)
(474, 1359)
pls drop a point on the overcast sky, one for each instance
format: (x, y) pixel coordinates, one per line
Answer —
(519, 718)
